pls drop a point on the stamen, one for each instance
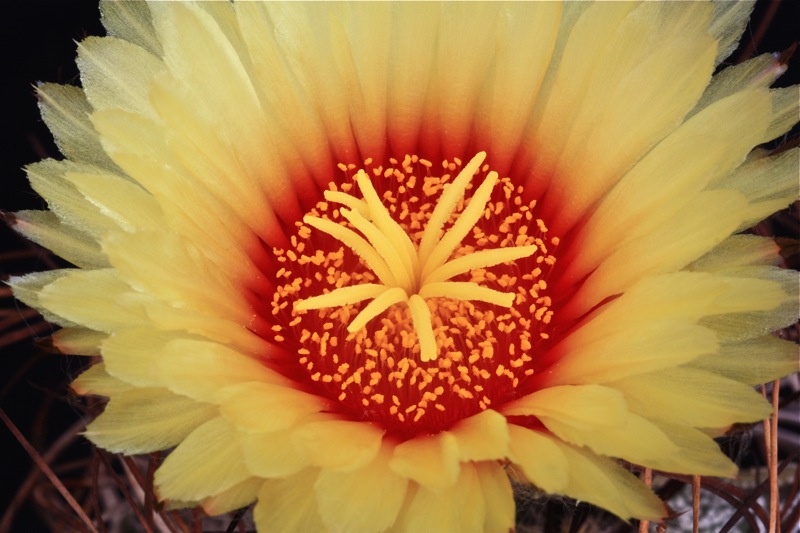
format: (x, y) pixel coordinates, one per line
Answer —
(393, 231)
(447, 204)
(481, 259)
(468, 291)
(345, 199)
(387, 249)
(421, 316)
(356, 243)
(381, 303)
(471, 214)
(342, 296)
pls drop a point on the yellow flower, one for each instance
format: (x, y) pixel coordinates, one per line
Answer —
(356, 262)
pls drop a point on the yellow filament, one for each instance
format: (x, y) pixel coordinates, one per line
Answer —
(384, 221)
(448, 202)
(381, 303)
(342, 296)
(387, 249)
(421, 316)
(345, 199)
(465, 290)
(481, 259)
(356, 243)
(466, 220)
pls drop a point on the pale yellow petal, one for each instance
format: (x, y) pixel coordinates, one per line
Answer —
(432, 461)
(257, 406)
(603, 482)
(739, 250)
(200, 369)
(666, 180)
(289, 505)
(96, 299)
(760, 71)
(236, 497)
(482, 437)
(339, 445)
(617, 118)
(78, 341)
(785, 111)
(542, 461)
(206, 463)
(65, 201)
(66, 112)
(498, 497)
(753, 361)
(460, 507)
(692, 397)
(131, 21)
(366, 499)
(730, 21)
(106, 85)
(46, 229)
(698, 453)
(97, 382)
(119, 199)
(142, 420)
(272, 454)
(583, 406)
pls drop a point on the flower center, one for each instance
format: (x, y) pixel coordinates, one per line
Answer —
(408, 302)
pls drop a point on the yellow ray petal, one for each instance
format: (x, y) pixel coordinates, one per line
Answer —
(143, 420)
(78, 341)
(66, 112)
(584, 406)
(131, 21)
(236, 497)
(460, 507)
(482, 437)
(257, 406)
(106, 85)
(289, 505)
(432, 461)
(498, 497)
(542, 461)
(271, 454)
(753, 361)
(692, 397)
(206, 463)
(367, 499)
(338, 445)
(46, 229)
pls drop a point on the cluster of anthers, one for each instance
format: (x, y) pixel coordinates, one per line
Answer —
(409, 275)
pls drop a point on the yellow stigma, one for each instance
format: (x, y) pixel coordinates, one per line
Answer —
(406, 274)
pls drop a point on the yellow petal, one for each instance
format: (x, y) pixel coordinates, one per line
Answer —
(739, 250)
(142, 420)
(603, 482)
(753, 361)
(106, 85)
(693, 397)
(289, 505)
(730, 20)
(542, 461)
(78, 341)
(482, 437)
(584, 406)
(432, 461)
(498, 497)
(46, 229)
(256, 406)
(339, 445)
(66, 112)
(206, 463)
(131, 21)
(236, 497)
(460, 507)
(366, 499)
(96, 381)
(271, 454)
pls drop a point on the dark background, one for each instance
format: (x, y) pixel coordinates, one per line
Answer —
(38, 44)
